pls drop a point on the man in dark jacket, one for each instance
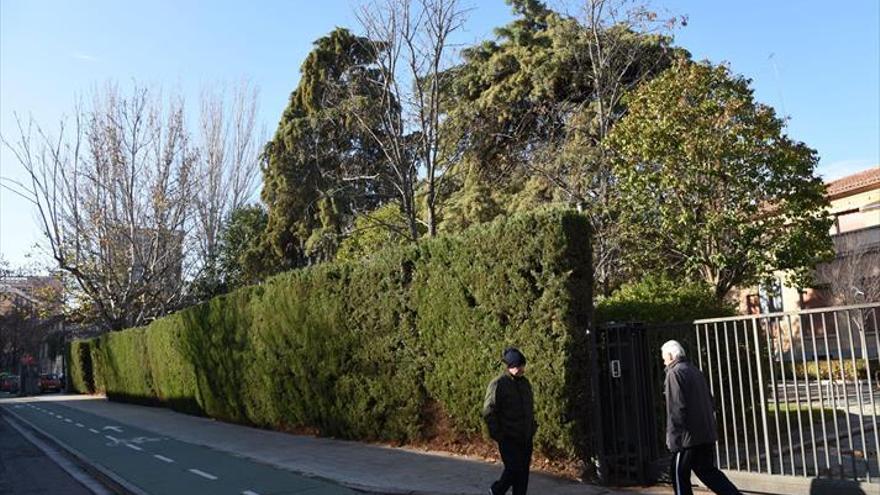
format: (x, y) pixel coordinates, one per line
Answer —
(510, 414)
(691, 432)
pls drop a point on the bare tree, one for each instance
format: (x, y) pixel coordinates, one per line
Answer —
(619, 52)
(620, 44)
(228, 161)
(411, 40)
(113, 191)
(30, 311)
(20, 333)
(853, 276)
(130, 205)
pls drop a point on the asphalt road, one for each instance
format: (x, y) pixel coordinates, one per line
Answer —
(160, 465)
(25, 469)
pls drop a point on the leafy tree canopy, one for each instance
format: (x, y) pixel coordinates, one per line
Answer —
(712, 186)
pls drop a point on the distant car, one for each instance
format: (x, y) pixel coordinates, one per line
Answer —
(50, 382)
(9, 383)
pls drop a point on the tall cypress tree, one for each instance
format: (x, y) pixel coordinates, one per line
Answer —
(319, 168)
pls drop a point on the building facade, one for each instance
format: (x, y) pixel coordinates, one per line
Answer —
(853, 276)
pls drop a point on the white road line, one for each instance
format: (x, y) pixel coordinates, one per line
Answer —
(135, 447)
(61, 460)
(94, 430)
(163, 458)
(67, 420)
(249, 492)
(80, 425)
(202, 474)
(110, 438)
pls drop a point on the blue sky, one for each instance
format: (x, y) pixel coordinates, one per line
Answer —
(817, 63)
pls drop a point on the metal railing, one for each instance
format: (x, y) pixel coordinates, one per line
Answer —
(796, 393)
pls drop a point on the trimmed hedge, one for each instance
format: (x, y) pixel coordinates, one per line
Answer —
(80, 375)
(661, 299)
(832, 367)
(382, 349)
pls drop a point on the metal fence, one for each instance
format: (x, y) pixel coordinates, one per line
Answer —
(796, 393)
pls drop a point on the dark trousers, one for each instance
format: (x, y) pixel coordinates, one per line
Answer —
(517, 456)
(701, 460)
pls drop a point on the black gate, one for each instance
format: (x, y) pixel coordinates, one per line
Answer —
(631, 403)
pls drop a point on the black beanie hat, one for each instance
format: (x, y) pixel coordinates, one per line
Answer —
(512, 357)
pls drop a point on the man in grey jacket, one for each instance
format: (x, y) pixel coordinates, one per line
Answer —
(691, 432)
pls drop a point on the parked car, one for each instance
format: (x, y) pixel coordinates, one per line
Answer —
(10, 383)
(50, 382)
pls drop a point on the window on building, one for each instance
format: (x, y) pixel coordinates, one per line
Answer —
(770, 296)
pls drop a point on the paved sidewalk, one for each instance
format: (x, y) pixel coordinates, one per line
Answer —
(371, 468)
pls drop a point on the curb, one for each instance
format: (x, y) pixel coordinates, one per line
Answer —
(106, 477)
(59, 458)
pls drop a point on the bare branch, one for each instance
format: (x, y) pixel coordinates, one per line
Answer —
(113, 191)
(411, 41)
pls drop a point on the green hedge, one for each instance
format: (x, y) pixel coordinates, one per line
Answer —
(79, 374)
(661, 299)
(383, 349)
(826, 366)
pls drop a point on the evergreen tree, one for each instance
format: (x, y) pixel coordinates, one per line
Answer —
(532, 107)
(320, 167)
